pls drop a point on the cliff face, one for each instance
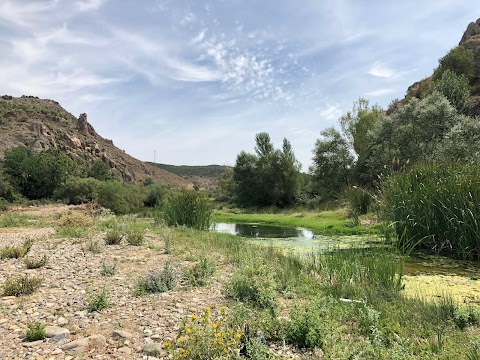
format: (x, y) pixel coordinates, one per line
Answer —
(39, 124)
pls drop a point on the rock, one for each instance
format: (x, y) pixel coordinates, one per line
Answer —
(61, 321)
(153, 349)
(97, 341)
(57, 351)
(121, 334)
(124, 351)
(74, 329)
(52, 331)
(147, 332)
(32, 343)
(59, 337)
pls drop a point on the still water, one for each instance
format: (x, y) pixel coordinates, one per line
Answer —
(256, 231)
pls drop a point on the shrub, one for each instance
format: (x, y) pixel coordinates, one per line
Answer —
(108, 269)
(94, 246)
(254, 284)
(98, 301)
(119, 197)
(198, 274)
(157, 281)
(436, 208)
(21, 285)
(32, 263)
(135, 235)
(16, 252)
(35, 331)
(305, 328)
(359, 200)
(465, 316)
(156, 195)
(75, 224)
(190, 208)
(77, 190)
(113, 237)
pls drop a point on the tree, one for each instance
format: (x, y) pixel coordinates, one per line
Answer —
(455, 88)
(100, 171)
(459, 60)
(268, 177)
(332, 163)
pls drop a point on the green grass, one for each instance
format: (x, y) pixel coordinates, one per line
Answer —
(98, 301)
(21, 285)
(35, 331)
(35, 263)
(157, 281)
(16, 252)
(335, 222)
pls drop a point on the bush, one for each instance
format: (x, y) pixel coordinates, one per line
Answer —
(156, 195)
(359, 200)
(77, 190)
(135, 235)
(35, 331)
(119, 197)
(254, 284)
(436, 208)
(305, 328)
(16, 252)
(21, 285)
(157, 281)
(108, 269)
(32, 263)
(113, 237)
(199, 273)
(190, 208)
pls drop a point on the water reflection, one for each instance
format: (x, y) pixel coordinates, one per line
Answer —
(256, 231)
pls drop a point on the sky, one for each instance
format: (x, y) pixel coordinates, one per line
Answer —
(193, 81)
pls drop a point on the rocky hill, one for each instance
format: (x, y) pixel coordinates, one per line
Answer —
(39, 124)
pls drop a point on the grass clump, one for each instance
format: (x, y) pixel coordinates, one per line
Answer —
(113, 237)
(94, 246)
(21, 285)
(16, 252)
(436, 208)
(74, 225)
(13, 220)
(135, 235)
(35, 263)
(157, 281)
(306, 328)
(254, 284)
(190, 208)
(98, 301)
(35, 331)
(108, 269)
(198, 274)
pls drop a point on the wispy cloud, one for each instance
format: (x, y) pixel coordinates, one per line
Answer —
(89, 5)
(381, 92)
(379, 69)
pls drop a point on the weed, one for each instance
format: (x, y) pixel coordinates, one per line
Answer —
(305, 328)
(32, 263)
(16, 252)
(94, 246)
(74, 225)
(13, 220)
(113, 237)
(98, 301)
(35, 331)
(108, 269)
(198, 274)
(157, 281)
(190, 208)
(135, 236)
(21, 285)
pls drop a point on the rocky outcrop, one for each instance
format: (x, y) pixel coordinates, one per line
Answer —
(39, 124)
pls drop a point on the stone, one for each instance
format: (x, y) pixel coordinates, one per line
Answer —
(59, 337)
(121, 334)
(153, 349)
(61, 321)
(147, 332)
(96, 341)
(52, 331)
(124, 350)
(57, 351)
(32, 343)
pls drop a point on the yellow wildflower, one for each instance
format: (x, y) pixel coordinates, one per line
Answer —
(180, 340)
(194, 316)
(225, 351)
(238, 335)
(215, 324)
(202, 320)
(207, 309)
(219, 334)
(166, 344)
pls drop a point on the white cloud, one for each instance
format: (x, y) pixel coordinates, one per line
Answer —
(380, 92)
(200, 36)
(378, 69)
(89, 5)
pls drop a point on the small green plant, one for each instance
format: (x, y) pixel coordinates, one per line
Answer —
(305, 328)
(98, 301)
(32, 263)
(16, 252)
(135, 236)
(94, 246)
(157, 281)
(113, 237)
(108, 269)
(21, 285)
(465, 316)
(254, 284)
(199, 273)
(35, 331)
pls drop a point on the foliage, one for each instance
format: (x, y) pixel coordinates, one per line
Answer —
(459, 60)
(205, 336)
(21, 285)
(254, 284)
(16, 252)
(332, 163)
(306, 327)
(198, 274)
(113, 236)
(156, 195)
(35, 331)
(77, 190)
(37, 175)
(100, 171)
(108, 269)
(466, 316)
(359, 200)
(7, 190)
(98, 300)
(32, 263)
(190, 208)
(157, 281)
(436, 208)
(185, 170)
(455, 88)
(135, 235)
(94, 246)
(268, 177)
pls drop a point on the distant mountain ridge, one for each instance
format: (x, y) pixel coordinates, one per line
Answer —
(39, 124)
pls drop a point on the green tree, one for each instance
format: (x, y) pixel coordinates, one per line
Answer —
(455, 88)
(332, 163)
(100, 171)
(459, 60)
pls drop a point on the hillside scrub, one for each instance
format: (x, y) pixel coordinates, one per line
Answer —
(436, 208)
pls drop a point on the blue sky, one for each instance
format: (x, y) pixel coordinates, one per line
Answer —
(196, 80)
